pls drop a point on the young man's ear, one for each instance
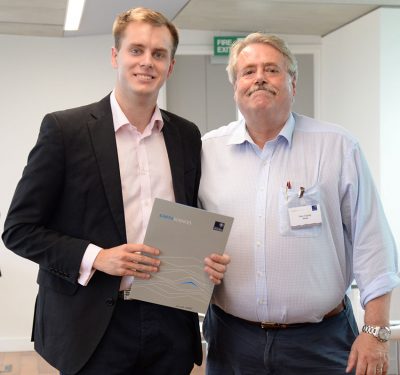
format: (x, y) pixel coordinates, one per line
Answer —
(114, 54)
(171, 67)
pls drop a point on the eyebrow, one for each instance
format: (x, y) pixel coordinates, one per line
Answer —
(252, 65)
(139, 45)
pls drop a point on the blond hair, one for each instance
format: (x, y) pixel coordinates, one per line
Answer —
(143, 15)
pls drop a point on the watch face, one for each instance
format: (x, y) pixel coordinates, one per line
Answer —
(384, 334)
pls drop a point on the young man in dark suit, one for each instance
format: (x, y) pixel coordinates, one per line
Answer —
(81, 208)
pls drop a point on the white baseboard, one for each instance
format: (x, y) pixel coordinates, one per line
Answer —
(22, 344)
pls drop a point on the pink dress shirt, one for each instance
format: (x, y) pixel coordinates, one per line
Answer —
(145, 175)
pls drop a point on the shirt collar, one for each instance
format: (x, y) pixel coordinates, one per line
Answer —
(119, 118)
(288, 129)
(241, 135)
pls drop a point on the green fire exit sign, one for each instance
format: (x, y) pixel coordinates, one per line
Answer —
(222, 44)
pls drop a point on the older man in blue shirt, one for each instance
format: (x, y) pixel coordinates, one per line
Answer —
(308, 221)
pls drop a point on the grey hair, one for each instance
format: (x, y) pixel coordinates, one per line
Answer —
(254, 38)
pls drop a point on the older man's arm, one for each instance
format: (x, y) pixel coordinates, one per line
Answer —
(368, 355)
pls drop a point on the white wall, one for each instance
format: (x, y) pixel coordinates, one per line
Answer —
(389, 117)
(350, 83)
(37, 75)
(360, 88)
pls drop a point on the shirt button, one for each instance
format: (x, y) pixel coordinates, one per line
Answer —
(258, 243)
(110, 302)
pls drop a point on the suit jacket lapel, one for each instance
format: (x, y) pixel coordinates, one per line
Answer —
(101, 130)
(103, 137)
(173, 143)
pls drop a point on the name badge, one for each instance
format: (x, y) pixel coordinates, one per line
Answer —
(305, 216)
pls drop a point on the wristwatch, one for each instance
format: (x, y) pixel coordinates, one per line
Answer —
(381, 333)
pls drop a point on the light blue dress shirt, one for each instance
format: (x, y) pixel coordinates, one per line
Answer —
(280, 273)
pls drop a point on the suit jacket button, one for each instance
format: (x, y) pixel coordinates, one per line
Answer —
(110, 302)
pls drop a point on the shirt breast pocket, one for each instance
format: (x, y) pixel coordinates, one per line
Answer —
(289, 198)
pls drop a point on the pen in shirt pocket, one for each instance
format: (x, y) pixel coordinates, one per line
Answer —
(288, 187)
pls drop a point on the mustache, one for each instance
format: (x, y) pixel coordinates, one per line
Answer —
(263, 87)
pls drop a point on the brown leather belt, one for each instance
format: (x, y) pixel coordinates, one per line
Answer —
(271, 325)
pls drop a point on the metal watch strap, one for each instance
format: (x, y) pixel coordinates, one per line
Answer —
(372, 330)
(375, 331)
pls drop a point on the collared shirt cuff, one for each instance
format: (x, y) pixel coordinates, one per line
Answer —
(379, 287)
(86, 270)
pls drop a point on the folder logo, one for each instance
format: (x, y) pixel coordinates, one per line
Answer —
(175, 219)
(219, 226)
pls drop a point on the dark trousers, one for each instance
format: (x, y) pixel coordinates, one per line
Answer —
(236, 347)
(144, 339)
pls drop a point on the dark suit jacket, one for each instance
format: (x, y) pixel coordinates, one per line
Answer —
(69, 196)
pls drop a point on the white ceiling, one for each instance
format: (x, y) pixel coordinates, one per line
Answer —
(307, 17)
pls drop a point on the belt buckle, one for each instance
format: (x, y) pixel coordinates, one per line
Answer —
(272, 325)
